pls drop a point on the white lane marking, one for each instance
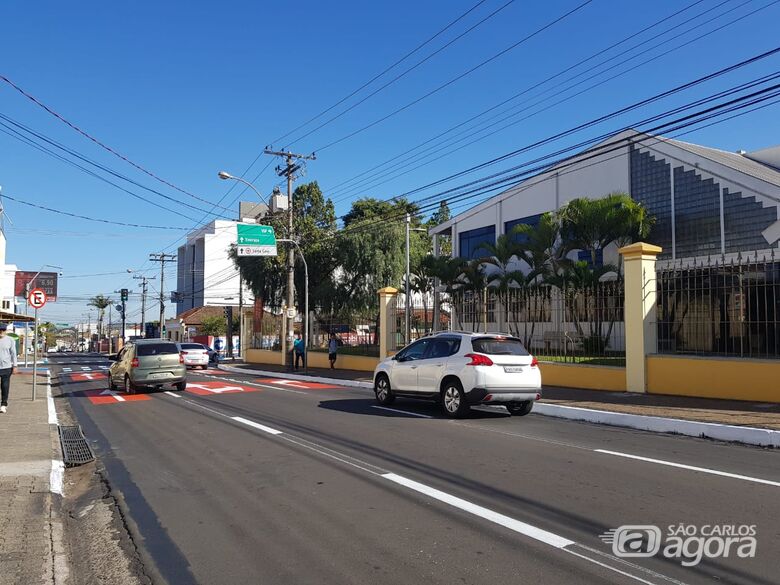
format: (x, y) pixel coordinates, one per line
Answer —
(500, 519)
(116, 396)
(56, 476)
(691, 467)
(611, 568)
(50, 403)
(255, 425)
(172, 394)
(402, 411)
(247, 382)
(539, 534)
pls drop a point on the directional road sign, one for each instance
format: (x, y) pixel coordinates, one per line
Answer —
(255, 240)
(37, 298)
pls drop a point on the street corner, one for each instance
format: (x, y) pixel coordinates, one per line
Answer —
(208, 388)
(110, 397)
(298, 384)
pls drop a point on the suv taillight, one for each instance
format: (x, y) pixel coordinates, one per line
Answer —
(534, 362)
(134, 363)
(477, 359)
(181, 357)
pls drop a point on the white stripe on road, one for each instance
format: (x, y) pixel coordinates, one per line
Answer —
(505, 521)
(172, 394)
(402, 411)
(690, 467)
(56, 476)
(255, 425)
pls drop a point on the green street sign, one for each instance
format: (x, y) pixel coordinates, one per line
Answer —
(255, 240)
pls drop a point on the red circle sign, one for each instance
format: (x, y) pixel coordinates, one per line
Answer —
(37, 298)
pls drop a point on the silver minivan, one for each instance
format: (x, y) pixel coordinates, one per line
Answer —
(147, 362)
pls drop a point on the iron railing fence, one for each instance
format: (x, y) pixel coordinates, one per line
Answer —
(355, 331)
(723, 306)
(569, 324)
(270, 334)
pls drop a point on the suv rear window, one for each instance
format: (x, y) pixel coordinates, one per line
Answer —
(499, 346)
(192, 346)
(156, 349)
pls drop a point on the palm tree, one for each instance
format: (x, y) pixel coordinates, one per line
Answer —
(474, 281)
(421, 282)
(100, 302)
(500, 256)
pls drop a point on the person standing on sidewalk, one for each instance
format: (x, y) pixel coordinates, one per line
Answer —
(333, 347)
(7, 365)
(299, 350)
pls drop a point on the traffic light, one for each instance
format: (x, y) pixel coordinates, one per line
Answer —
(125, 294)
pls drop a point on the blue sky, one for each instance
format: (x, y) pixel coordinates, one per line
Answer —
(185, 89)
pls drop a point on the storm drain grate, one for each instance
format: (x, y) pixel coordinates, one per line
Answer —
(75, 449)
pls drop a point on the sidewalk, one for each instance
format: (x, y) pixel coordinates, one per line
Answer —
(29, 448)
(689, 416)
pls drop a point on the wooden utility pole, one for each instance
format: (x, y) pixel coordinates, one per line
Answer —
(289, 170)
(162, 258)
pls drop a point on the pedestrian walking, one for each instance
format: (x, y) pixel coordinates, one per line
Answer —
(333, 346)
(7, 365)
(299, 350)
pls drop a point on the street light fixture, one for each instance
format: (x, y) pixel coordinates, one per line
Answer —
(225, 176)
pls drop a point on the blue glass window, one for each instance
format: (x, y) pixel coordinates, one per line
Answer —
(471, 242)
(584, 256)
(532, 220)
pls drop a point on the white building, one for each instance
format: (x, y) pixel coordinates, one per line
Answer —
(706, 201)
(205, 275)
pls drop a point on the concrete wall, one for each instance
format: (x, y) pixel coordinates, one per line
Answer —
(727, 378)
(583, 376)
(317, 359)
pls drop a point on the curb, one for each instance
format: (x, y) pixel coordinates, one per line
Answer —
(656, 424)
(321, 380)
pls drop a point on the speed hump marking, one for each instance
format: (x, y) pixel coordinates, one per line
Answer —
(88, 376)
(297, 384)
(111, 397)
(209, 388)
(37, 298)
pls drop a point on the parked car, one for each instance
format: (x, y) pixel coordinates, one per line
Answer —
(147, 362)
(460, 370)
(213, 356)
(195, 354)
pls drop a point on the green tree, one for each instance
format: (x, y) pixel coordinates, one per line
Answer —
(213, 325)
(438, 217)
(100, 302)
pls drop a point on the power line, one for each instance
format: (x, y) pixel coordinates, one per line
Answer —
(392, 174)
(84, 217)
(378, 75)
(62, 119)
(401, 75)
(455, 79)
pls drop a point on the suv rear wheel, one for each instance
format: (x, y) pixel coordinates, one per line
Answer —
(520, 408)
(453, 400)
(130, 388)
(384, 394)
(181, 386)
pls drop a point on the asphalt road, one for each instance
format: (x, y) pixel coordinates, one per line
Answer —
(244, 481)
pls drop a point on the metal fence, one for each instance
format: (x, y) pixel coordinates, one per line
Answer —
(720, 306)
(576, 325)
(270, 334)
(355, 332)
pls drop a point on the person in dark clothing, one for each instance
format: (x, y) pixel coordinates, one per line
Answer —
(7, 365)
(299, 350)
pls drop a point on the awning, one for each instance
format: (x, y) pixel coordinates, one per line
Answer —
(8, 317)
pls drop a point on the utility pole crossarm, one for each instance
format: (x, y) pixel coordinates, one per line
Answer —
(162, 258)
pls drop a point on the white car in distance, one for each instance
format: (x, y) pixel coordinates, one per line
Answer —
(194, 354)
(460, 370)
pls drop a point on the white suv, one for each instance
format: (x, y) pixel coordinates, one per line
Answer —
(461, 369)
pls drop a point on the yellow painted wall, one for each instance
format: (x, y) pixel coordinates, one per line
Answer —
(263, 356)
(729, 378)
(361, 363)
(583, 376)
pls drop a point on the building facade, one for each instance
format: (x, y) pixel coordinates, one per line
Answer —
(205, 274)
(706, 201)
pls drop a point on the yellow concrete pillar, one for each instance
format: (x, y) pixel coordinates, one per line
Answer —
(640, 311)
(386, 295)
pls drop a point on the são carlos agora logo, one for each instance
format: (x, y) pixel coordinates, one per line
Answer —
(686, 543)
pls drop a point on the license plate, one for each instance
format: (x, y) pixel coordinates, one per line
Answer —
(155, 376)
(513, 369)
